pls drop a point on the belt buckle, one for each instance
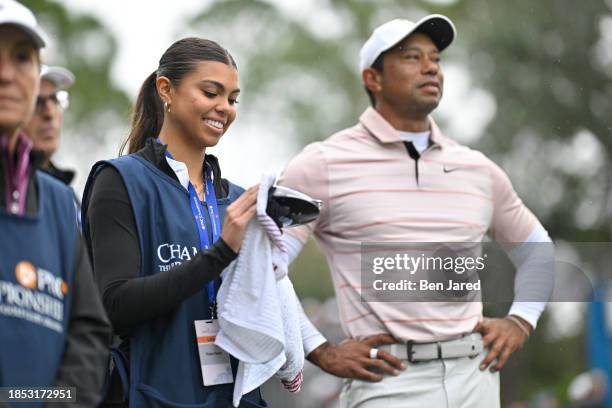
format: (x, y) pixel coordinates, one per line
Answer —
(410, 352)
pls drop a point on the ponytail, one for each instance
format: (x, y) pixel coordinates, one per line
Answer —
(147, 117)
(178, 60)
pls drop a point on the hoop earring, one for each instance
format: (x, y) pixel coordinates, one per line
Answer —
(167, 107)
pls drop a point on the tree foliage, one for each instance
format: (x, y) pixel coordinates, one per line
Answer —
(548, 67)
(82, 44)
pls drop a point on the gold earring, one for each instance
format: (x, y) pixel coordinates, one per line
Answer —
(167, 107)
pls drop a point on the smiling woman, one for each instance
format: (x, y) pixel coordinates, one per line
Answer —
(202, 106)
(184, 79)
(158, 272)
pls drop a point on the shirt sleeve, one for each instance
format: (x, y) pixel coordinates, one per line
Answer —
(130, 299)
(85, 360)
(512, 221)
(311, 337)
(535, 275)
(515, 224)
(307, 173)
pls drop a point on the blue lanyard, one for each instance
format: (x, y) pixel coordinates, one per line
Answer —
(198, 214)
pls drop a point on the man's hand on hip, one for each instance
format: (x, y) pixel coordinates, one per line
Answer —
(351, 359)
(502, 337)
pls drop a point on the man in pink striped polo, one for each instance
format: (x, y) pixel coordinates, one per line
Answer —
(395, 177)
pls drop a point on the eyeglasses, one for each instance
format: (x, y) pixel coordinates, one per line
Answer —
(60, 99)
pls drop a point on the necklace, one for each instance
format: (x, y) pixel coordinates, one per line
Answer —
(199, 188)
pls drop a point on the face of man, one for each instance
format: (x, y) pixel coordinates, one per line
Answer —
(44, 127)
(411, 80)
(19, 73)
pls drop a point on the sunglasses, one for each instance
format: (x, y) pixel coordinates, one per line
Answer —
(60, 99)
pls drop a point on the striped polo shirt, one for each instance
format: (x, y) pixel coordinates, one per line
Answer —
(373, 191)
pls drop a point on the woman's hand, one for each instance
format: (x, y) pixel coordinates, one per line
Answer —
(237, 217)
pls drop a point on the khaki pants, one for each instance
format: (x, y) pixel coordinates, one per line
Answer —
(452, 383)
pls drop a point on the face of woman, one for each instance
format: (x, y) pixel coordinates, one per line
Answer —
(19, 77)
(203, 105)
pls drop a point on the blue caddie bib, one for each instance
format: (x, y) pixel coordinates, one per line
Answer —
(37, 256)
(164, 366)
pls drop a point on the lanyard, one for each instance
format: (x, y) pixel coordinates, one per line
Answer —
(16, 173)
(198, 214)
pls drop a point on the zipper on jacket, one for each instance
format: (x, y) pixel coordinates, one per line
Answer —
(15, 204)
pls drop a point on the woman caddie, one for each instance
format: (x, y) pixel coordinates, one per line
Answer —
(53, 327)
(161, 225)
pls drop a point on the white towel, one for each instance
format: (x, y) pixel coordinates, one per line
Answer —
(258, 309)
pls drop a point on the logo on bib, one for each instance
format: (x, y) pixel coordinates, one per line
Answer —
(30, 277)
(25, 273)
(172, 255)
(38, 296)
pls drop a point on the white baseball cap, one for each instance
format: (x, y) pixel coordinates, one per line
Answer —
(61, 77)
(440, 28)
(14, 13)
